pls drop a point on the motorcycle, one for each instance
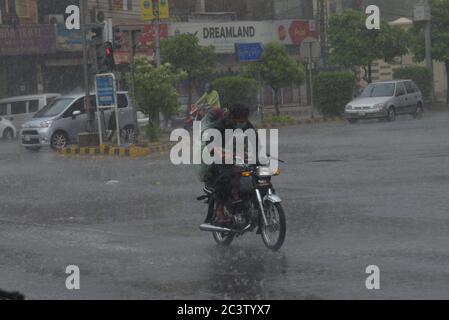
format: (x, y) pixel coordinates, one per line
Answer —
(196, 113)
(260, 210)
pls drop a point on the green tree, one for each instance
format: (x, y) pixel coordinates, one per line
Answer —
(155, 90)
(277, 70)
(440, 37)
(333, 90)
(234, 90)
(184, 53)
(353, 45)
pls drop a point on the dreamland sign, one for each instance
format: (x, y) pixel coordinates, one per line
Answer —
(224, 36)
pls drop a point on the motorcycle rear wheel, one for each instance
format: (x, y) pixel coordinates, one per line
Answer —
(221, 238)
(276, 223)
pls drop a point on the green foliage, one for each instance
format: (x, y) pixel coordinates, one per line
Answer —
(440, 33)
(185, 53)
(280, 120)
(333, 90)
(422, 76)
(440, 37)
(234, 90)
(155, 90)
(353, 45)
(152, 133)
(277, 69)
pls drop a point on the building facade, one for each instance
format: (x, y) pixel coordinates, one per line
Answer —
(38, 54)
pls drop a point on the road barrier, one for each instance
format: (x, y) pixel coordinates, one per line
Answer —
(103, 150)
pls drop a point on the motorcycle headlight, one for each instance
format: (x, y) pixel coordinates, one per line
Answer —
(46, 124)
(267, 172)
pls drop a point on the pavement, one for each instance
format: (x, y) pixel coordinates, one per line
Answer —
(373, 193)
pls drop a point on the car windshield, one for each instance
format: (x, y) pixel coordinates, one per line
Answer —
(54, 108)
(378, 90)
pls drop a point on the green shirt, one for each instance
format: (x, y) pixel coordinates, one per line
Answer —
(211, 99)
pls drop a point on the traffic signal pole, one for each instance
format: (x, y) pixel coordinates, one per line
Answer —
(87, 107)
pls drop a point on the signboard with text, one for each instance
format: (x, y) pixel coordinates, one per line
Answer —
(249, 52)
(148, 10)
(223, 36)
(106, 91)
(27, 39)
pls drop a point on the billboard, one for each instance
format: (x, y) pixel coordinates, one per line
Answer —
(224, 36)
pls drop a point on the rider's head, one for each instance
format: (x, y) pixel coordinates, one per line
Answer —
(208, 88)
(239, 115)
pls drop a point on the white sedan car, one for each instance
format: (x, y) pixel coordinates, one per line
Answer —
(7, 129)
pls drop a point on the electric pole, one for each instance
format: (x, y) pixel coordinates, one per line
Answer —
(322, 25)
(158, 32)
(423, 13)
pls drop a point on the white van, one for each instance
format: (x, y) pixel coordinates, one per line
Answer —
(21, 109)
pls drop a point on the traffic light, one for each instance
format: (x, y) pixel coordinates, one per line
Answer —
(109, 62)
(105, 58)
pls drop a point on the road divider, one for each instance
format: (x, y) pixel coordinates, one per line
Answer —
(128, 151)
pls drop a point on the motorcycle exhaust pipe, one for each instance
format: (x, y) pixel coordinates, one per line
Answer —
(211, 228)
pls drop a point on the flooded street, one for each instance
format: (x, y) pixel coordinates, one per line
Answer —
(373, 193)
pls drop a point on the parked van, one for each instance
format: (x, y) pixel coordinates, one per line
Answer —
(21, 109)
(59, 123)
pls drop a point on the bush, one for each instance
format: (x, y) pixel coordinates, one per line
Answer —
(234, 90)
(152, 133)
(332, 91)
(281, 120)
(422, 76)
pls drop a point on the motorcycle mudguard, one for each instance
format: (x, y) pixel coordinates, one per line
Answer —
(273, 198)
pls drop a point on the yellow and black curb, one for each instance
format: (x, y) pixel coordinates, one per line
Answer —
(103, 150)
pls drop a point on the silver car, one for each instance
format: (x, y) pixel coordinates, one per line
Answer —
(386, 100)
(59, 123)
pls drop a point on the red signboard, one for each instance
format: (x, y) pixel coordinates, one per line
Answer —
(144, 43)
(296, 31)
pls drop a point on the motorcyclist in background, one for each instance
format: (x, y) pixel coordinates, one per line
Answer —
(210, 98)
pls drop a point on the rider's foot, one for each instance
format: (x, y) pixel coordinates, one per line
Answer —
(221, 219)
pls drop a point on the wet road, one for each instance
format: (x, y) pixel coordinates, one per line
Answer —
(355, 195)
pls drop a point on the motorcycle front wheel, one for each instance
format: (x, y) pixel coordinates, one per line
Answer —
(221, 238)
(273, 235)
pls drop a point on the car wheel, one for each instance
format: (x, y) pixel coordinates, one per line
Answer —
(419, 111)
(59, 140)
(129, 134)
(8, 134)
(391, 115)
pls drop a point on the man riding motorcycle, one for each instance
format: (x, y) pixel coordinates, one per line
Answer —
(224, 179)
(211, 98)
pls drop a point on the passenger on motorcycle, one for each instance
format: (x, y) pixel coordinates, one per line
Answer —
(225, 178)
